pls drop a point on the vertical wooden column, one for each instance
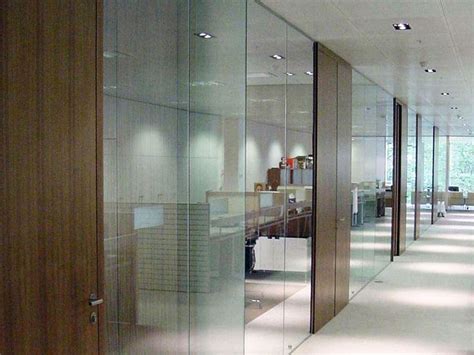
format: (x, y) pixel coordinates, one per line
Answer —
(343, 184)
(325, 190)
(397, 114)
(332, 192)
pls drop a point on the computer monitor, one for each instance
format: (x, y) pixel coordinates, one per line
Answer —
(266, 199)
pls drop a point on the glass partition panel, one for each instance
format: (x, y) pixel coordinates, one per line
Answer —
(174, 98)
(216, 134)
(461, 174)
(441, 172)
(147, 298)
(411, 178)
(266, 180)
(372, 162)
(299, 152)
(278, 184)
(426, 169)
(364, 153)
(384, 180)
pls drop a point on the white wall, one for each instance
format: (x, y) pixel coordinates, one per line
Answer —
(265, 147)
(368, 159)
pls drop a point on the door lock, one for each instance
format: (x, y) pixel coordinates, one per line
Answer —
(93, 318)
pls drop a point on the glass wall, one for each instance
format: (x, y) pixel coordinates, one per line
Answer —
(205, 254)
(278, 184)
(411, 178)
(461, 173)
(426, 171)
(441, 178)
(372, 174)
(174, 97)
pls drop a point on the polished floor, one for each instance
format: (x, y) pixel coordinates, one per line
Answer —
(421, 303)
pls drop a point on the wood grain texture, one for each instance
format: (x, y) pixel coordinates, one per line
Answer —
(344, 197)
(325, 212)
(397, 120)
(99, 124)
(49, 179)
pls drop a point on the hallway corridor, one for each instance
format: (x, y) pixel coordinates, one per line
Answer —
(421, 303)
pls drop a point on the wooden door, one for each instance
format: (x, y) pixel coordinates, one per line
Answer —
(344, 196)
(332, 217)
(324, 260)
(50, 182)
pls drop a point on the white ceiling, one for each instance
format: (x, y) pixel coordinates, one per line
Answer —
(361, 32)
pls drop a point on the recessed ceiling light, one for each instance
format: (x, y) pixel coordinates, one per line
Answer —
(289, 74)
(454, 108)
(277, 57)
(445, 93)
(430, 70)
(460, 117)
(402, 26)
(204, 35)
(310, 73)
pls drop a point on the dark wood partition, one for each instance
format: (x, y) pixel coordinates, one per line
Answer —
(50, 181)
(325, 188)
(397, 120)
(333, 128)
(344, 154)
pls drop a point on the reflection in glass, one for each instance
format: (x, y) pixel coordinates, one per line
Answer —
(411, 178)
(426, 169)
(174, 143)
(279, 169)
(372, 174)
(461, 174)
(440, 188)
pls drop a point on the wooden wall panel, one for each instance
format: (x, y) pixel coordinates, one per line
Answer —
(344, 197)
(325, 213)
(49, 212)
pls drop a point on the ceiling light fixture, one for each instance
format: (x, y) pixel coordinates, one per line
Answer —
(402, 26)
(454, 107)
(204, 35)
(289, 74)
(430, 70)
(310, 73)
(460, 117)
(277, 57)
(445, 93)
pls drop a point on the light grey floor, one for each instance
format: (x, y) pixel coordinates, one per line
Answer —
(425, 303)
